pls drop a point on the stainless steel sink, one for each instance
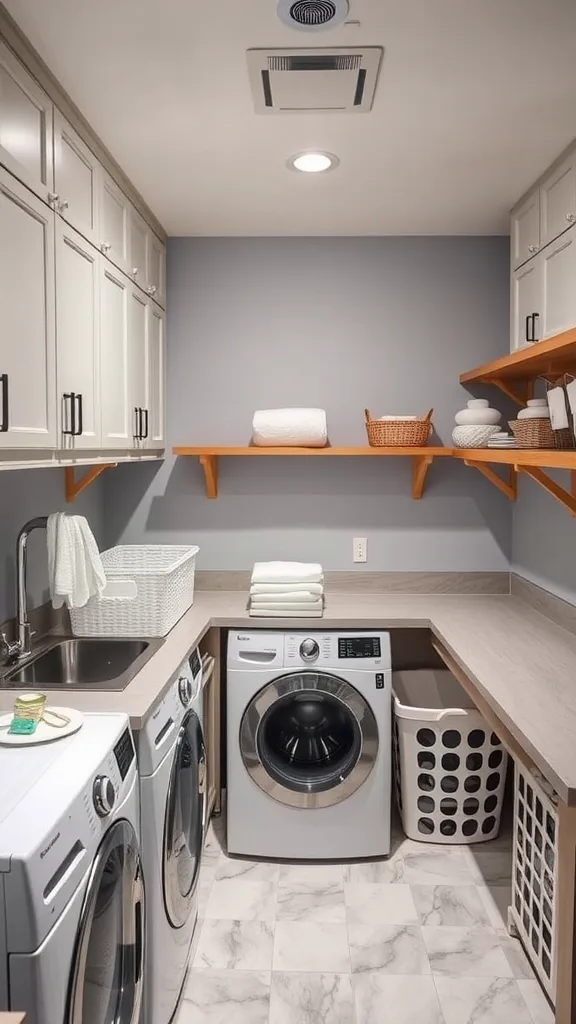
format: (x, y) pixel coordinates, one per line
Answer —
(82, 664)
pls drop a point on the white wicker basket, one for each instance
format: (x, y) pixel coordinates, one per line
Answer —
(160, 581)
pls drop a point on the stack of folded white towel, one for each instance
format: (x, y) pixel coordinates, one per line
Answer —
(287, 590)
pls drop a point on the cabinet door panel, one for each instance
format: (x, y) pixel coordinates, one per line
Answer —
(116, 422)
(139, 367)
(157, 434)
(27, 338)
(157, 272)
(558, 201)
(77, 338)
(76, 180)
(525, 232)
(559, 283)
(26, 120)
(138, 248)
(113, 222)
(526, 300)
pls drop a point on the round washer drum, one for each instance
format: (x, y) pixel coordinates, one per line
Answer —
(185, 820)
(309, 739)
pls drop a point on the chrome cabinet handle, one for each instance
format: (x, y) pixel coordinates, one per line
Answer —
(151, 290)
(53, 198)
(134, 271)
(105, 246)
(570, 217)
(62, 206)
(532, 248)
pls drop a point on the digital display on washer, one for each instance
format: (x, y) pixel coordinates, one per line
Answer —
(358, 646)
(124, 753)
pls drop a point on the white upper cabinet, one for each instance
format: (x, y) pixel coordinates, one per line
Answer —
(77, 340)
(114, 210)
(27, 337)
(157, 270)
(116, 420)
(139, 367)
(558, 274)
(558, 201)
(526, 305)
(26, 116)
(157, 390)
(76, 180)
(138, 248)
(525, 230)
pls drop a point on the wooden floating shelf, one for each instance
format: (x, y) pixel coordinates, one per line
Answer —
(422, 459)
(515, 374)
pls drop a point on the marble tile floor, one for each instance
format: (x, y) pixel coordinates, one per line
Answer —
(418, 938)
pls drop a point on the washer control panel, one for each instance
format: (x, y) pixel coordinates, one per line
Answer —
(359, 649)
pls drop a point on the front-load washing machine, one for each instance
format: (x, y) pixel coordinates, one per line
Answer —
(309, 744)
(71, 892)
(172, 768)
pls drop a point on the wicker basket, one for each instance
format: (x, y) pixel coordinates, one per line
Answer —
(533, 433)
(398, 433)
(160, 580)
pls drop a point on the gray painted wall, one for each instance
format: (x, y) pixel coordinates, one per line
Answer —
(544, 539)
(341, 323)
(23, 495)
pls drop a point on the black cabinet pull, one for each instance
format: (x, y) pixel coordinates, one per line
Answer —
(5, 417)
(138, 428)
(80, 430)
(72, 396)
(145, 435)
(527, 328)
(535, 316)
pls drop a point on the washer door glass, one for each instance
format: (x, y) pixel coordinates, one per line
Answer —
(106, 978)
(184, 825)
(309, 739)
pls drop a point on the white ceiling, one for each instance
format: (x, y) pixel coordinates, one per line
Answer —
(476, 98)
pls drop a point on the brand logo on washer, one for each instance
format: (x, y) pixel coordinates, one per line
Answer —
(240, 637)
(50, 845)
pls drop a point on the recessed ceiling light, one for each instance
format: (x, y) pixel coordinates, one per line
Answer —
(313, 163)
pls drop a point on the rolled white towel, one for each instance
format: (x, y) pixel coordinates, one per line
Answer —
(287, 572)
(290, 427)
(269, 613)
(289, 606)
(286, 597)
(280, 588)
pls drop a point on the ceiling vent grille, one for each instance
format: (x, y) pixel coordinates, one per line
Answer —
(297, 81)
(312, 15)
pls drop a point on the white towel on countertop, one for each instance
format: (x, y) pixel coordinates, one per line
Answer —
(269, 613)
(289, 606)
(281, 588)
(285, 597)
(75, 568)
(290, 427)
(287, 572)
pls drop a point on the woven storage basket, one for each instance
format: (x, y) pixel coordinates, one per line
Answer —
(398, 433)
(163, 577)
(534, 433)
(562, 438)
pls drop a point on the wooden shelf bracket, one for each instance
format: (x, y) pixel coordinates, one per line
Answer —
(73, 487)
(209, 464)
(566, 498)
(508, 487)
(420, 467)
(518, 390)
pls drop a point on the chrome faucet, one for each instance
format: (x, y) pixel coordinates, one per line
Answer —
(17, 649)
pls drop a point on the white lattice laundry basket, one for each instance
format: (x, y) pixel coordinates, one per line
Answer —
(150, 586)
(450, 766)
(535, 872)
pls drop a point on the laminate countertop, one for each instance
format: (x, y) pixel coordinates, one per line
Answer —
(522, 663)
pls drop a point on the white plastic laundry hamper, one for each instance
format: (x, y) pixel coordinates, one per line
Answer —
(149, 587)
(450, 766)
(532, 915)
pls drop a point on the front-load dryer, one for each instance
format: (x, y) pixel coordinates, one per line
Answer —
(172, 768)
(71, 892)
(309, 744)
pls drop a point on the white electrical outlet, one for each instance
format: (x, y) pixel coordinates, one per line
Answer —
(359, 549)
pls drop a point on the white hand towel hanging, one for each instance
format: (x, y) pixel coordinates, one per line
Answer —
(287, 572)
(74, 565)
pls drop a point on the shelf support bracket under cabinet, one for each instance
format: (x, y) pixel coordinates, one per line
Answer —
(209, 464)
(520, 391)
(73, 487)
(508, 487)
(564, 497)
(420, 466)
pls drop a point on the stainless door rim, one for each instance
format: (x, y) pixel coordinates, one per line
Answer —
(120, 834)
(314, 681)
(177, 904)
